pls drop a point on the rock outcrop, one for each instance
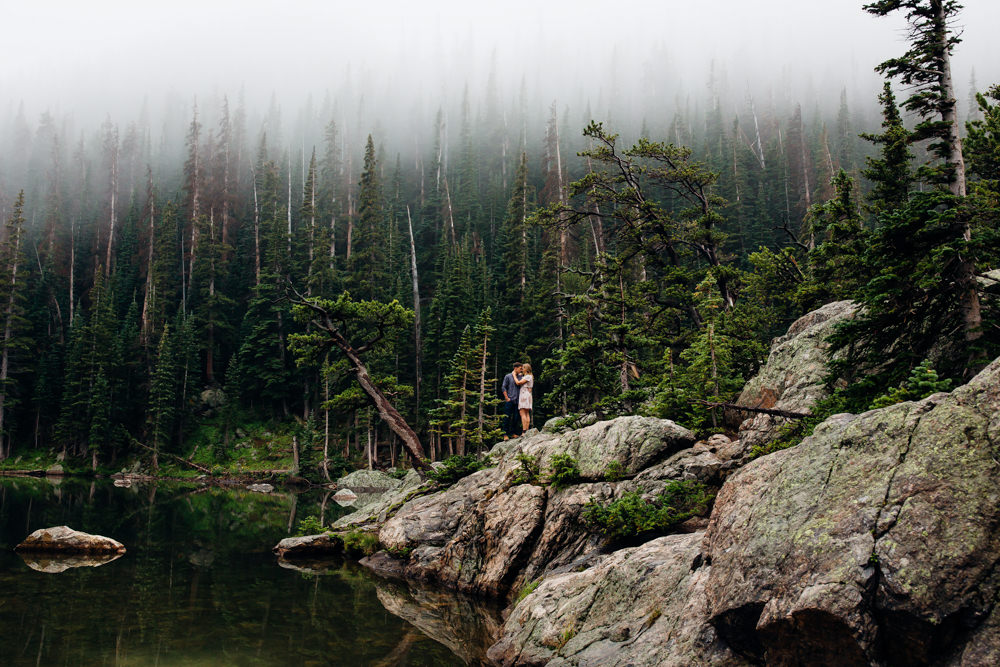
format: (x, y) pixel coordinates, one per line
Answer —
(377, 506)
(634, 443)
(490, 533)
(309, 546)
(63, 539)
(874, 541)
(793, 378)
(643, 606)
(368, 480)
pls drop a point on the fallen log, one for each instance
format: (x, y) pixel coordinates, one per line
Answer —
(788, 414)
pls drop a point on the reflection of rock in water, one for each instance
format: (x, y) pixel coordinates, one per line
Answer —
(202, 558)
(345, 497)
(55, 563)
(312, 566)
(466, 625)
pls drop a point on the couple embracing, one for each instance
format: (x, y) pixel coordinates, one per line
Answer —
(517, 386)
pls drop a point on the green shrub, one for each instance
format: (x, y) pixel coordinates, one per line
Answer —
(615, 472)
(360, 543)
(632, 515)
(457, 467)
(310, 525)
(564, 471)
(529, 469)
(923, 382)
(528, 589)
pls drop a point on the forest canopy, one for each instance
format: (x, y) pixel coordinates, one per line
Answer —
(641, 263)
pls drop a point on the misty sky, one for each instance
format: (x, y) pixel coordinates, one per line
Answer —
(101, 55)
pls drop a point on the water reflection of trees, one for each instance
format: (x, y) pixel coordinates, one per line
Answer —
(198, 584)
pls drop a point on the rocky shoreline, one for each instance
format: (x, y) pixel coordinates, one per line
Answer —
(873, 542)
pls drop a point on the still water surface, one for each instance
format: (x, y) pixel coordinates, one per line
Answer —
(199, 586)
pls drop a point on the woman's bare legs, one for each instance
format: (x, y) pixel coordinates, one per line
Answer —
(525, 418)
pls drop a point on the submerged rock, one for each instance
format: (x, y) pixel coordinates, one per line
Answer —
(642, 606)
(872, 541)
(65, 539)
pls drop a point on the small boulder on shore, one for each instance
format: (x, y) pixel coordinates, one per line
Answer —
(66, 540)
(309, 546)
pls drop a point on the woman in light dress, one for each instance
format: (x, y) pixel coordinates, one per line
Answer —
(524, 404)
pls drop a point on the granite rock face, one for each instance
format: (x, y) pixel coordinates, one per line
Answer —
(874, 541)
(793, 378)
(633, 442)
(642, 606)
(66, 540)
(490, 532)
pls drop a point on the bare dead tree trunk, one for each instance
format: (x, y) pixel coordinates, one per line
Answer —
(449, 217)
(350, 208)
(326, 428)
(417, 342)
(256, 228)
(387, 412)
(144, 326)
(114, 200)
(15, 245)
(481, 417)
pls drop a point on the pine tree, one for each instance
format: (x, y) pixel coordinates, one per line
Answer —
(368, 264)
(12, 322)
(890, 173)
(162, 397)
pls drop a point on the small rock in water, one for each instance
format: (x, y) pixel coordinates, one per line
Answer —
(309, 546)
(124, 483)
(261, 488)
(65, 539)
(55, 470)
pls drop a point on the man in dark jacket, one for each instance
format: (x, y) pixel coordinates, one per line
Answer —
(511, 392)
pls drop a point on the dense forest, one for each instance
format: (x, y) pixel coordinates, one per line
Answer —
(158, 274)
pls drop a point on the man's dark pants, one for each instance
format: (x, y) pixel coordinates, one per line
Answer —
(513, 426)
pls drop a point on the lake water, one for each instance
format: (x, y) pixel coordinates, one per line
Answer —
(198, 585)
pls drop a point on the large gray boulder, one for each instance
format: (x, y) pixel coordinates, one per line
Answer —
(489, 532)
(472, 537)
(643, 606)
(633, 442)
(377, 506)
(64, 539)
(368, 480)
(873, 541)
(794, 377)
